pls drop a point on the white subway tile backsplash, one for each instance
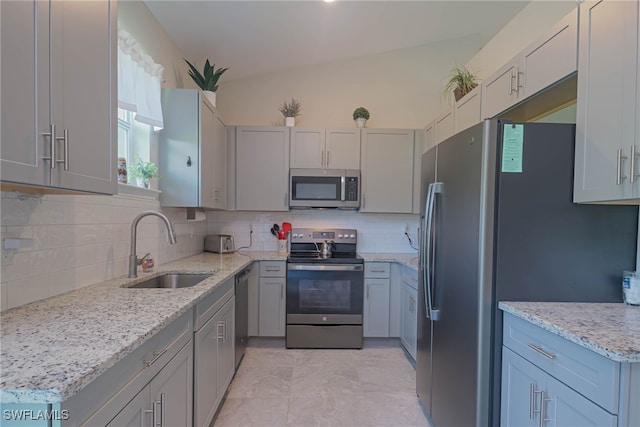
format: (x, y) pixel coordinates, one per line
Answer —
(81, 240)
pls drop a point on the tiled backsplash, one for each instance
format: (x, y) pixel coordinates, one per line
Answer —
(80, 240)
(376, 232)
(76, 241)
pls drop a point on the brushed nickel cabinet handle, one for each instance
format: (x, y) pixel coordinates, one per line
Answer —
(619, 176)
(65, 149)
(52, 146)
(540, 350)
(633, 174)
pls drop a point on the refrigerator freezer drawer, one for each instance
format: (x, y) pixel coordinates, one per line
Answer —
(589, 373)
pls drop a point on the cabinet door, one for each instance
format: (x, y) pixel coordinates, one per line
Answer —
(467, 110)
(560, 48)
(24, 84)
(219, 163)
(387, 171)
(563, 406)
(262, 169)
(206, 155)
(409, 324)
(307, 148)
(343, 149)
(500, 90)
(376, 308)
(172, 390)
(272, 307)
(429, 136)
(84, 92)
(226, 346)
(606, 106)
(522, 382)
(444, 126)
(137, 413)
(420, 141)
(206, 372)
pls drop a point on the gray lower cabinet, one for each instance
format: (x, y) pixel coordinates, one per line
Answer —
(550, 381)
(156, 378)
(409, 312)
(214, 346)
(377, 283)
(272, 302)
(166, 400)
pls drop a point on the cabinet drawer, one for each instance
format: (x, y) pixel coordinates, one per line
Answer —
(589, 373)
(273, 269)
(376, 270)
(213, 302)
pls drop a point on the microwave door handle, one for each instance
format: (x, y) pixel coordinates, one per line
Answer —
(343, 185)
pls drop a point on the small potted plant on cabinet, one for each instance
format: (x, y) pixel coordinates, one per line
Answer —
(143, 171)
(461, 82)
(361, 115)
(290, 110)
(208, 80)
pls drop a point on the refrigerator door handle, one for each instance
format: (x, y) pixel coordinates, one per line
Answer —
(425, 252)
(435, 313)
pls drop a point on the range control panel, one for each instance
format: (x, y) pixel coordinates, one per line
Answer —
(319, 235)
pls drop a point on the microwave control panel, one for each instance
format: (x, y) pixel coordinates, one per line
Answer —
(352, 189)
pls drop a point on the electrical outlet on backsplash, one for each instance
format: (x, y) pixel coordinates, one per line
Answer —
(376, 232)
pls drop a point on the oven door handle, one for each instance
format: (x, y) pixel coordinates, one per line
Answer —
(332, 267)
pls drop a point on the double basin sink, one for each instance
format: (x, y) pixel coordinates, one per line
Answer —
(170, 281)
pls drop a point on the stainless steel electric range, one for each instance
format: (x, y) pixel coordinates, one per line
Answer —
(325, 289)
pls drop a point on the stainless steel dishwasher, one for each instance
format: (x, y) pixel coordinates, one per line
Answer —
(242, 312)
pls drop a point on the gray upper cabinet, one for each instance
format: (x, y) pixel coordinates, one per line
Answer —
(607, 111)
(325, 148)
(192, 152)
(387, 170)
(54, 54)
(467, 110)
(262, 168)
(541, 64)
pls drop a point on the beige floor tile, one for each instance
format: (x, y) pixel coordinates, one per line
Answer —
(276, 387)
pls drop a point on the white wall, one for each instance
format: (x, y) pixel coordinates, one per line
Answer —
(376, 232)
(81, 240)
(401, 89)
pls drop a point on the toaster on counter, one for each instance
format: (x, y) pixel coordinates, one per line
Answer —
(219, 243)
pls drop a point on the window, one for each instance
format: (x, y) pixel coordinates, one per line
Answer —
(134, 139)
(140, 110)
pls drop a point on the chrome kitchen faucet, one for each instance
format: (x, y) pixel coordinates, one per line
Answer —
(133, 258)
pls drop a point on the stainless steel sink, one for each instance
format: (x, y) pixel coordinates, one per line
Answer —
(171, 281)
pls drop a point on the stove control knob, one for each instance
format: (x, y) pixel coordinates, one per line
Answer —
(353, 236)
(340, 236)
(295, 235)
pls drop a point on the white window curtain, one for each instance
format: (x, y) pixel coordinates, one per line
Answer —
(139, 82)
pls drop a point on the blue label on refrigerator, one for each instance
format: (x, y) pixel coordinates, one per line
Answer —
(512, 140)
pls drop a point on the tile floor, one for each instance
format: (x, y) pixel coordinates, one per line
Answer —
(280, 387)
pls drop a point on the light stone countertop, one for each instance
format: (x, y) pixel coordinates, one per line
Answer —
(406, 259)
(51, 349)
(609, 329)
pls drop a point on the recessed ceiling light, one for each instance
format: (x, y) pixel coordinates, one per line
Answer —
(328, 1)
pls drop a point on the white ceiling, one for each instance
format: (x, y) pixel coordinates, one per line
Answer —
(258, 37)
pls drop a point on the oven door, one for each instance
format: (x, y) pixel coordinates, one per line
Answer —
(325, 294)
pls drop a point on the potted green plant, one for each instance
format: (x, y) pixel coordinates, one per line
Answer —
(461, 81)
(361, 115)
(290, 110)
(207, 80)
(143, 171)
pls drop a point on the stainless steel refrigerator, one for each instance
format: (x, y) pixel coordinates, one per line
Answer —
(498, 224)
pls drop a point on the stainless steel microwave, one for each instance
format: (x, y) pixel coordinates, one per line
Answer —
(324, 188)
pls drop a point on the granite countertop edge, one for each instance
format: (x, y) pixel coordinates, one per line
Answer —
(611, 330)
(56, 381)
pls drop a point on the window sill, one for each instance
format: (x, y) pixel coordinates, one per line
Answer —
(138, 192)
